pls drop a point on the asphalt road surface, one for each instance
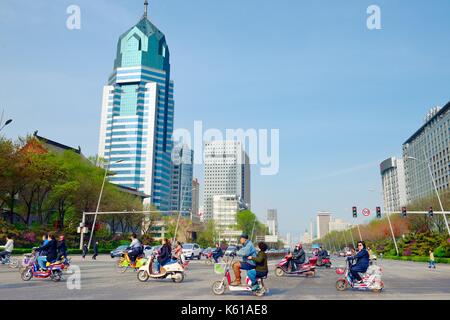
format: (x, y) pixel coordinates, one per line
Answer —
(100, 280)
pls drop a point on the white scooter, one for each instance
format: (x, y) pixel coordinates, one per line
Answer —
(172, 270)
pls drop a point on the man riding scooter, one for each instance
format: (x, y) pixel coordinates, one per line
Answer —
(297, 257)
(321, 254)
(362, 262)
(135, 249)
(217, 253)
(247, 250)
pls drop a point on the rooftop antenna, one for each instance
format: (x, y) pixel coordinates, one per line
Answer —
(145, 9)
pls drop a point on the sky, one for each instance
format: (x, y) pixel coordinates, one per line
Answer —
(343, 97)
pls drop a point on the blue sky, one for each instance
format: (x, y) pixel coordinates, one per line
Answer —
(344, 97)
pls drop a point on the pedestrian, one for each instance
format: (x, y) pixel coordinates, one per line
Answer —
(85, 251)
(431, 263)
(94, 257)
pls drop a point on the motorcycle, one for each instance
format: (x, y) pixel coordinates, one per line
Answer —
(173, 270)
(371, 279)
(326, 262)
(307, 269)
(54, 271)
(220, 286)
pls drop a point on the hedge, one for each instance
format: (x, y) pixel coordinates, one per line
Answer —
(417, 259)
(21, 251)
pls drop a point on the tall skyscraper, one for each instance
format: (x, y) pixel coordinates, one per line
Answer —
(430, 144)
(272, 222)
(138, 112)
(227, 172)
(323, 223)
(182, 175)
(394, 185)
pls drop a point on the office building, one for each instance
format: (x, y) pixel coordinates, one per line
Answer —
(138, 112)
(182, 176)
(394, 184)
(323, 223)
(430, 144)
(272, 222)
(196, 198)
(227, 172)
(337, 224)
(226, 208)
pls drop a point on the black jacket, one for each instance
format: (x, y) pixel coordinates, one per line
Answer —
(298, 256)
(51, 249)
(95, 248)
(62, 248)
(165, 253)
(218, 252)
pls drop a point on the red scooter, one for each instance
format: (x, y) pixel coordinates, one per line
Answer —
(326, 262)
(307, 269)
(53, 271)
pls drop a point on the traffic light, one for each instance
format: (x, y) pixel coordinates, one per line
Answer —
(404, 212)
(355, 212)
(378, 212)
(430, 212)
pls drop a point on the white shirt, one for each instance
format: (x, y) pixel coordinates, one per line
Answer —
(9, 246)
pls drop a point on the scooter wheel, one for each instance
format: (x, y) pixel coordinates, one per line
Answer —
(26, 275)
(143, 276)
(56, 276)
(279, 272)
(178, 277)
(218, 288)
(341, 285)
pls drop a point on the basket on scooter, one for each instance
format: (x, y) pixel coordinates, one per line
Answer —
(220, 268)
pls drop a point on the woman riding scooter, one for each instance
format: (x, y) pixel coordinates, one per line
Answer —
(261, 269)
(362, 261)
(165, 255)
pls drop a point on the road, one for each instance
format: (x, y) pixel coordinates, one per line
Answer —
(99, 280)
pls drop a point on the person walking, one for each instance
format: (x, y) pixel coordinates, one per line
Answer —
(85, 251)
(431, 263)
(94, 257)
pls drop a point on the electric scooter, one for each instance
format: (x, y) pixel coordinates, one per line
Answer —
(220, 286)
(326, 262)
(307, 269)
(173, 270)
(371, 280)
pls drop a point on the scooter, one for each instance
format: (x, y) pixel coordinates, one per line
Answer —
(124, 263)
(9, 261)
(53, 271)
(326, 262)
(371, 280)
(173, 270)
(220, 286)
(307, 269)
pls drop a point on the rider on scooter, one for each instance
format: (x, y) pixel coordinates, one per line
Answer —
(217, 253)
(8, 247)
(247, 250)
(362, 261)
(135, 249)
(261, 269)
(297, 257)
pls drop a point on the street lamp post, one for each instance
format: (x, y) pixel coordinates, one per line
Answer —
(179, 213)
(100, 199)
(390, 225)
(435, 188)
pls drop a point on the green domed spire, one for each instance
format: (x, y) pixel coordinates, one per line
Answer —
(143, 45)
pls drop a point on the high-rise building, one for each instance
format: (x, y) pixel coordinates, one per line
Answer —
(138, 113)
(323, 223)
(226, 208)
(272, 222)
(227, 172)
(182, 175)
(394, 185)
(430, 144)
(337, 224)
(195, 198)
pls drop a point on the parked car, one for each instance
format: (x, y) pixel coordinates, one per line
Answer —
(206, 251)
(231, 251)
(118, 252)
(192, 250)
